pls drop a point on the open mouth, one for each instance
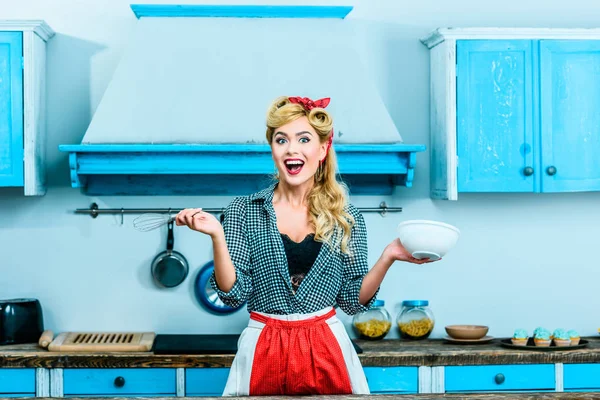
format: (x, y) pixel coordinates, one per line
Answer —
(294, 166)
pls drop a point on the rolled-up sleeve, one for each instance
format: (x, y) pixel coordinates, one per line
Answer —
(355, 267)
(236, 237)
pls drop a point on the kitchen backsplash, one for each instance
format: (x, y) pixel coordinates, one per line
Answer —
(521, 260)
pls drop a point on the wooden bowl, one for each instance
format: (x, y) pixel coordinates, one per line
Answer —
(467, 331)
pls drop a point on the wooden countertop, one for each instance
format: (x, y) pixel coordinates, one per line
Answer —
(475, 396)
(392, 352)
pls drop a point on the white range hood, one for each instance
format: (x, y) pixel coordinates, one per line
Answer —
(187, 102)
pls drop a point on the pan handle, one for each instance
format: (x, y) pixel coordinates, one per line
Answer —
(170, 238)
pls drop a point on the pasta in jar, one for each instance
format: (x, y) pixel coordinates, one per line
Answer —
(373, 328)
(415, 320)
(374, 323)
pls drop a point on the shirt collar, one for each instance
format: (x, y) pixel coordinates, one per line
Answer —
(265, 194)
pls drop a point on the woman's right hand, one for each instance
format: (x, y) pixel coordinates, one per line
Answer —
(200, 221)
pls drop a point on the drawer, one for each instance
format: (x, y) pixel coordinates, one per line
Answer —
(117, 381)
(499, 377)
(581, 376)
(205, 381)
(17, 381)
(392, 379)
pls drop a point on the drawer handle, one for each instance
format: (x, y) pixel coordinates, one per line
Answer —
(551, 170)
(119, 381)
(499, 378)
(528, 171)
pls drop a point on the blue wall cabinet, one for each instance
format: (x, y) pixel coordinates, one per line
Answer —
(17, 382)
(512, 110)
(22, 105)
(494, 115)
(570, 121)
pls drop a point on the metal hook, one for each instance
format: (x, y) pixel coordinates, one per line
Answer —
(122, 216)
(383, 207)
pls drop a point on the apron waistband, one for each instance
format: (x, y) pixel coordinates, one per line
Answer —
(273, 321)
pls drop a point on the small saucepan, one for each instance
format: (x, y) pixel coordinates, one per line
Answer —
(170, 268)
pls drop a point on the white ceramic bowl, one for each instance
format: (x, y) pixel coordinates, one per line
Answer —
(427, 239)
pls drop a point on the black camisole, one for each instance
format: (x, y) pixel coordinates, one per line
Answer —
(300, 256)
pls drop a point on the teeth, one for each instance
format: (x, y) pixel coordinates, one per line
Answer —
(294, 162)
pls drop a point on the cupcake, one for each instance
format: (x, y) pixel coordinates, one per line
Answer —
(520, 337)
(574, 336)
(561, 338)
(539, 329)
(542, 338)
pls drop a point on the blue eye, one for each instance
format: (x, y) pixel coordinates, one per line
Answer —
(280, 140)
(304, 140)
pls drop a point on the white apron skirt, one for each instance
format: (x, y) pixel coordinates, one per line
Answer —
(296, 354)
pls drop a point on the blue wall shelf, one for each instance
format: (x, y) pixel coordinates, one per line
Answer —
(220, 169)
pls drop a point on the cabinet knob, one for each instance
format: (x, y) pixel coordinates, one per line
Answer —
(528, 171)
(119, 381)
(551, 170)
(499, 378)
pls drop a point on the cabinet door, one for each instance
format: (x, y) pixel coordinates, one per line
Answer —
(495, 140)
(570, 101)
(17, 382)
(116, 382)
(488, 378)
(11, 109)
(392, 379)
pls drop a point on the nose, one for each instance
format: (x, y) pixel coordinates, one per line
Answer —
(292, 148)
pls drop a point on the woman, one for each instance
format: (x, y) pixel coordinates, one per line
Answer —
(293, 251)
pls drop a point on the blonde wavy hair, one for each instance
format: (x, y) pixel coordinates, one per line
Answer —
(328, 197)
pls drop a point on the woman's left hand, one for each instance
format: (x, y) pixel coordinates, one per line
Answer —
(395, 251)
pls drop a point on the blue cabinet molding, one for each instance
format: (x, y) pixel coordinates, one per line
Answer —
(23, 98)
(221, 169)
(517, 131)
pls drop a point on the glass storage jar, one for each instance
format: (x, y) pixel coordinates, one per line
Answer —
(415, 320)
(374, 323)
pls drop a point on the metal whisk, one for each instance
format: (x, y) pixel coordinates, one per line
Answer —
(151, 221)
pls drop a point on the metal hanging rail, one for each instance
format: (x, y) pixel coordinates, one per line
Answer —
(94, 210)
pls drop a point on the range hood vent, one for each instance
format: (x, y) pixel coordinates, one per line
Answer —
(184, 112)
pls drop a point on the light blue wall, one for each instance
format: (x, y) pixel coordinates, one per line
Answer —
(522, 260)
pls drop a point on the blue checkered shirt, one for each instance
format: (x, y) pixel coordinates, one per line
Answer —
(261, 267)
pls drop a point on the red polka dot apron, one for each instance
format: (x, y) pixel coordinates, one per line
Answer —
(297, 354)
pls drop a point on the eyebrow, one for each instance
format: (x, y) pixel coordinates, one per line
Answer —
(297, 133)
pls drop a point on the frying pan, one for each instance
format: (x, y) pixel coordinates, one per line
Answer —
(169, 268)
(206, 295)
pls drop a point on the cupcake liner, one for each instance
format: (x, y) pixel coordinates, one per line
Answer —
(542, 342)
(562, 342)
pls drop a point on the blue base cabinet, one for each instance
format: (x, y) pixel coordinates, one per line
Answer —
(514, 111)
(211, 381)
(388, 380)
(500, 378)
(120, 382)
(17, 382)
(205, 381)
(581, 377)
